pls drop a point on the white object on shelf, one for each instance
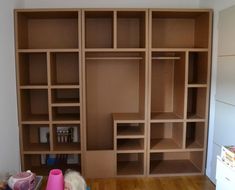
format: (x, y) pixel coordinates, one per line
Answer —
(225, 176)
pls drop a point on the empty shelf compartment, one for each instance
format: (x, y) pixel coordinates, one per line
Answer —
(167, 85)
(195, 134)
(34, 105)
(130, 144)
(131, 29)
(196, 106)
(130, 129)
(176, 163)
(166, 136)
(65, 96)
(33, 69)
(71, 113)
(130, 164)
(198, 68)
(65, 68)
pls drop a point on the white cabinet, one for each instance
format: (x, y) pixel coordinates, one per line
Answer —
(225, 176)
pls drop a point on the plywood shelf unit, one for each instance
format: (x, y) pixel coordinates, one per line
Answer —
(124, 91)
(48, 72)
(179, 91)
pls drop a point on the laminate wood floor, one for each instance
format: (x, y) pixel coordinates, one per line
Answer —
(163, 183)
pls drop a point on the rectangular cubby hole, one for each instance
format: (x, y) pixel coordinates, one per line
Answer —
(65, 68)
(196, 107)
(115, 83)
(198, 66)
(131, 29)
(130, 164)
(172, 29)
(36, 137)
(34, 105)
(130, 144)
(166, 136)
(66, 113)
(176, 162)
(47, 30)
(65, 96)
(99, 29)
(130, 129)
(195, 135)
(41, 164)
(33, 68)
(167, 85)
(67, 137)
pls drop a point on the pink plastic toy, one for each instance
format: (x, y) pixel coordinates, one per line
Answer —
(55, 180)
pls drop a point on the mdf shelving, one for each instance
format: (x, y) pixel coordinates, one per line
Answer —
(48, 55)
(113, 92)
(179, 66)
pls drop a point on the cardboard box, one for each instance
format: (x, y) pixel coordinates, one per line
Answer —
(228, 155)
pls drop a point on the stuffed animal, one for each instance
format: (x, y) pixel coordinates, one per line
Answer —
(74, 181)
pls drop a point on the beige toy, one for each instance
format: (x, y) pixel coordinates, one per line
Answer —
(74, 181)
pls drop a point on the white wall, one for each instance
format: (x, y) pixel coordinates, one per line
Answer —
(9, 141)
(213, 147)
(110, 3)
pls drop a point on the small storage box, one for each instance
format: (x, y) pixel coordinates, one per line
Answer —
(228, 155)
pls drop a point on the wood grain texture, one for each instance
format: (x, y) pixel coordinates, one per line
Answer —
(167, 183)
(163, 183)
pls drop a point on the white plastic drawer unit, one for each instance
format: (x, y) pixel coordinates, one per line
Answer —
(225, 176)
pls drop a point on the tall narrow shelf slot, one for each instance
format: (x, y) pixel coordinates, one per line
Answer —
(112, 86)
(33, 69)
(167, 85)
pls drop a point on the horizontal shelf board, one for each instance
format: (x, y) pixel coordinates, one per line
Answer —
(52, 152)
(66, 117)
(177, 174)
(130, 151)
(130, 136)
(172, 166)
(63, 147)
(33, 87)
(130, 168)
(114, 58)
(180, 49)
(36, 118)
(35, 122)
(65, 86)
(193, 144)
(197, 85)
(37, 147)
(123, 131)
(65, 104)
(115, 49)
(128, 117)
(157, 144)
(67, 122)
(130, 145)
(164, 116)
(165, 58)
(46, 50)
(192, 116)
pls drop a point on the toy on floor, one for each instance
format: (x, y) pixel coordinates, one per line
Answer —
(74, 181)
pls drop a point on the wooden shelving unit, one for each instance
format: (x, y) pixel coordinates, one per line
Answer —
(49, 88)
(113, 92)
(180, 48)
